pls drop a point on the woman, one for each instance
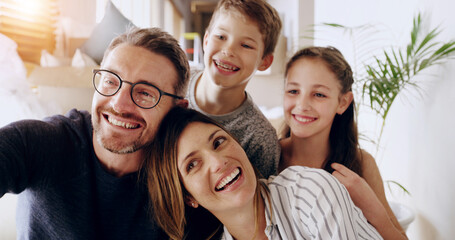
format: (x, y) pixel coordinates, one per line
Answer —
(202, 165)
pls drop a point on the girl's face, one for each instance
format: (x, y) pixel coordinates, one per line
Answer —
(312, 98)
(214, 168)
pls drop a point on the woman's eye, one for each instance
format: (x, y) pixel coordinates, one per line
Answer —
(191, 165)
(218, 141)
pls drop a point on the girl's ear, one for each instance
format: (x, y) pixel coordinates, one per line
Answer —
(345, 101)
(191, 202)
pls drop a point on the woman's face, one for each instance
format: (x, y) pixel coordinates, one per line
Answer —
(214, 168)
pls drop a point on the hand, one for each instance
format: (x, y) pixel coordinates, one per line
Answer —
(361, 193)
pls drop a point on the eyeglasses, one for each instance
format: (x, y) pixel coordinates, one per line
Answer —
(144, 95)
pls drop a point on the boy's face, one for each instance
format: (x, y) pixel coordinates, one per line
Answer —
(233, 50)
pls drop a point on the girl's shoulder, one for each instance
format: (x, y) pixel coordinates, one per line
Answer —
(366, 159)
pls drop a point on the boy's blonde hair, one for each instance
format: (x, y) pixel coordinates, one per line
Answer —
(259, 11)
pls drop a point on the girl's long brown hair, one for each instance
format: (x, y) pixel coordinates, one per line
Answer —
(343, 138)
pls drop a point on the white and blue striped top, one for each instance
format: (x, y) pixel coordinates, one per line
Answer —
(310, 203)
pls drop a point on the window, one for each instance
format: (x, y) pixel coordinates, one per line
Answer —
(31, 24)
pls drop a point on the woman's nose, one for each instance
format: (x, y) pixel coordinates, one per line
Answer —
(217, 162)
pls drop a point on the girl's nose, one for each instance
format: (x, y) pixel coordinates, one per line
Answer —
(303, 102)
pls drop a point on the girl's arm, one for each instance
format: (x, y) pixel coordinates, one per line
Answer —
(370, 197)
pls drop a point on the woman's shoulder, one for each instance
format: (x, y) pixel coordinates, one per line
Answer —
(296, 175)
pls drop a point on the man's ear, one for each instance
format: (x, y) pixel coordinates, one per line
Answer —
(345, 101)
(183, 103)
(266, 62)
(191, 202)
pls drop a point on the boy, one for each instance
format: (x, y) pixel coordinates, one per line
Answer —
(240, 39)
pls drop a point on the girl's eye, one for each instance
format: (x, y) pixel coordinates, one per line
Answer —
(218, 141)
(191, 165)
(320, 95)
(292, 92)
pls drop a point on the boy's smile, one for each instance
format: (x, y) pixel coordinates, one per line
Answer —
(233, 50)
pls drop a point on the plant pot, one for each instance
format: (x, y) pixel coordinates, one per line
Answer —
(404, 214)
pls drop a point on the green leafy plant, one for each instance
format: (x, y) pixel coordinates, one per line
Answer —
(381, 77)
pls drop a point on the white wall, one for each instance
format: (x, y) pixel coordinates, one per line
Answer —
(417, 141)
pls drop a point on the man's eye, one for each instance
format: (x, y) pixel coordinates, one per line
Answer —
(218, 141)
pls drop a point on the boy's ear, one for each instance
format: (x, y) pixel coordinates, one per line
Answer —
(345, 101)
(205, 40)
(266, 62)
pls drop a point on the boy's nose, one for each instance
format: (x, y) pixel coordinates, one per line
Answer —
(227, 49)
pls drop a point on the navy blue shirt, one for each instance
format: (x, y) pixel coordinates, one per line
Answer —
(64, 193)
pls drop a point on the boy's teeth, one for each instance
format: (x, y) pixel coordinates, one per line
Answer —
(228, 179)
(226, 66)
(122, 124)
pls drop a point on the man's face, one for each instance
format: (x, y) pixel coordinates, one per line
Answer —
(120, 126)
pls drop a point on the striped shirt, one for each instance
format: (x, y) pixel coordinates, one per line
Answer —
(308, 203)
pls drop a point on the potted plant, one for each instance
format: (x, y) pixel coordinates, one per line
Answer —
(381, 77)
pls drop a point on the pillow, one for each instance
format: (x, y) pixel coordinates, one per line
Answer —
(49, 60)
(81, 59)
(112, 25)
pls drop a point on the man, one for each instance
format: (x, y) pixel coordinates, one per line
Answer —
(77, 174)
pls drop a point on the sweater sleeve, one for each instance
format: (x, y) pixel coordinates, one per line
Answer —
(32, 150)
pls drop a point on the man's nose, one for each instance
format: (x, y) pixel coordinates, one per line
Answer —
(122, 101)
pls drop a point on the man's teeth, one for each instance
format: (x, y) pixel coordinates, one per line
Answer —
(122, 124)
(233, 176)
(305, 120)
(226, 66)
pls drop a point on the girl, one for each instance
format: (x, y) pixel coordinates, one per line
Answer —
(319, 110)
(202, 165)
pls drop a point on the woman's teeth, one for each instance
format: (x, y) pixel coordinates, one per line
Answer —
(227, 180)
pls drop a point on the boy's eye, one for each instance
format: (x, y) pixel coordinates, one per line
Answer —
(218, 141)
(247, 46)
(220, 37)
